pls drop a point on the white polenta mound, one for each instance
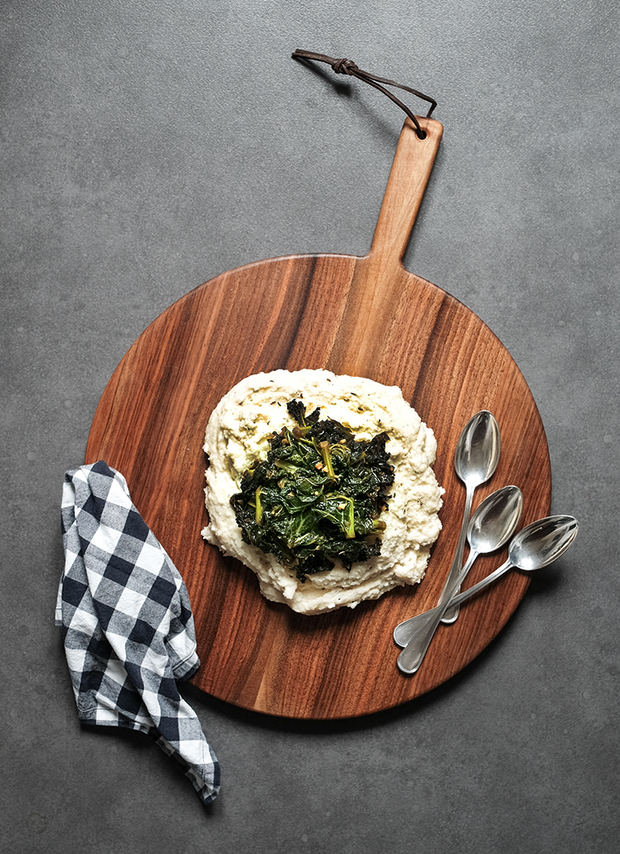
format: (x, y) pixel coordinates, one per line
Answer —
(237, 434)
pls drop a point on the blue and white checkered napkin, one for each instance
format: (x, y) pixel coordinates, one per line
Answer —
(127, 623)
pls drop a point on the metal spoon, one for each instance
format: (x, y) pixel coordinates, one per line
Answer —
(475, 460)
(537, 545)
(492, 525)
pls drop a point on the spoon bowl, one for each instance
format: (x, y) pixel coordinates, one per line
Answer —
(478, 449)
(542, 542)
(495, 520)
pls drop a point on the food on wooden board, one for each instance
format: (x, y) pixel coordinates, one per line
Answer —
(323, 486)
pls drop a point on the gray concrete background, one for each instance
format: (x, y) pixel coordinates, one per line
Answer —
(148, 146)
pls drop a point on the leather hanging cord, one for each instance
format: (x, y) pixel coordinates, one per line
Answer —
(346, 66)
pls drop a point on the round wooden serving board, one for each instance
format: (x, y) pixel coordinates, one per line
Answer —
(358, 316)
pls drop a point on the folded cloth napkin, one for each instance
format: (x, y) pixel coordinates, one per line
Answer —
(127, 623)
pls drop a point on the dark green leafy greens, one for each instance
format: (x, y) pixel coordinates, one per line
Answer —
(317, 496)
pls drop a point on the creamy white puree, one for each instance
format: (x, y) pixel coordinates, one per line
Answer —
(238, 433)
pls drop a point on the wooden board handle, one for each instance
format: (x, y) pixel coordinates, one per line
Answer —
(411, 169)
(380, 279)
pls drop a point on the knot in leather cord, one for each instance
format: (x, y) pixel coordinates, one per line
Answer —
(344, 66)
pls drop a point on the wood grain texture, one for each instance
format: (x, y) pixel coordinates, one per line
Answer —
(362, 316)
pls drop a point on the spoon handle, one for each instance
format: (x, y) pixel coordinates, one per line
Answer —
(405, 631)
(413, 654)
(457, 560)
